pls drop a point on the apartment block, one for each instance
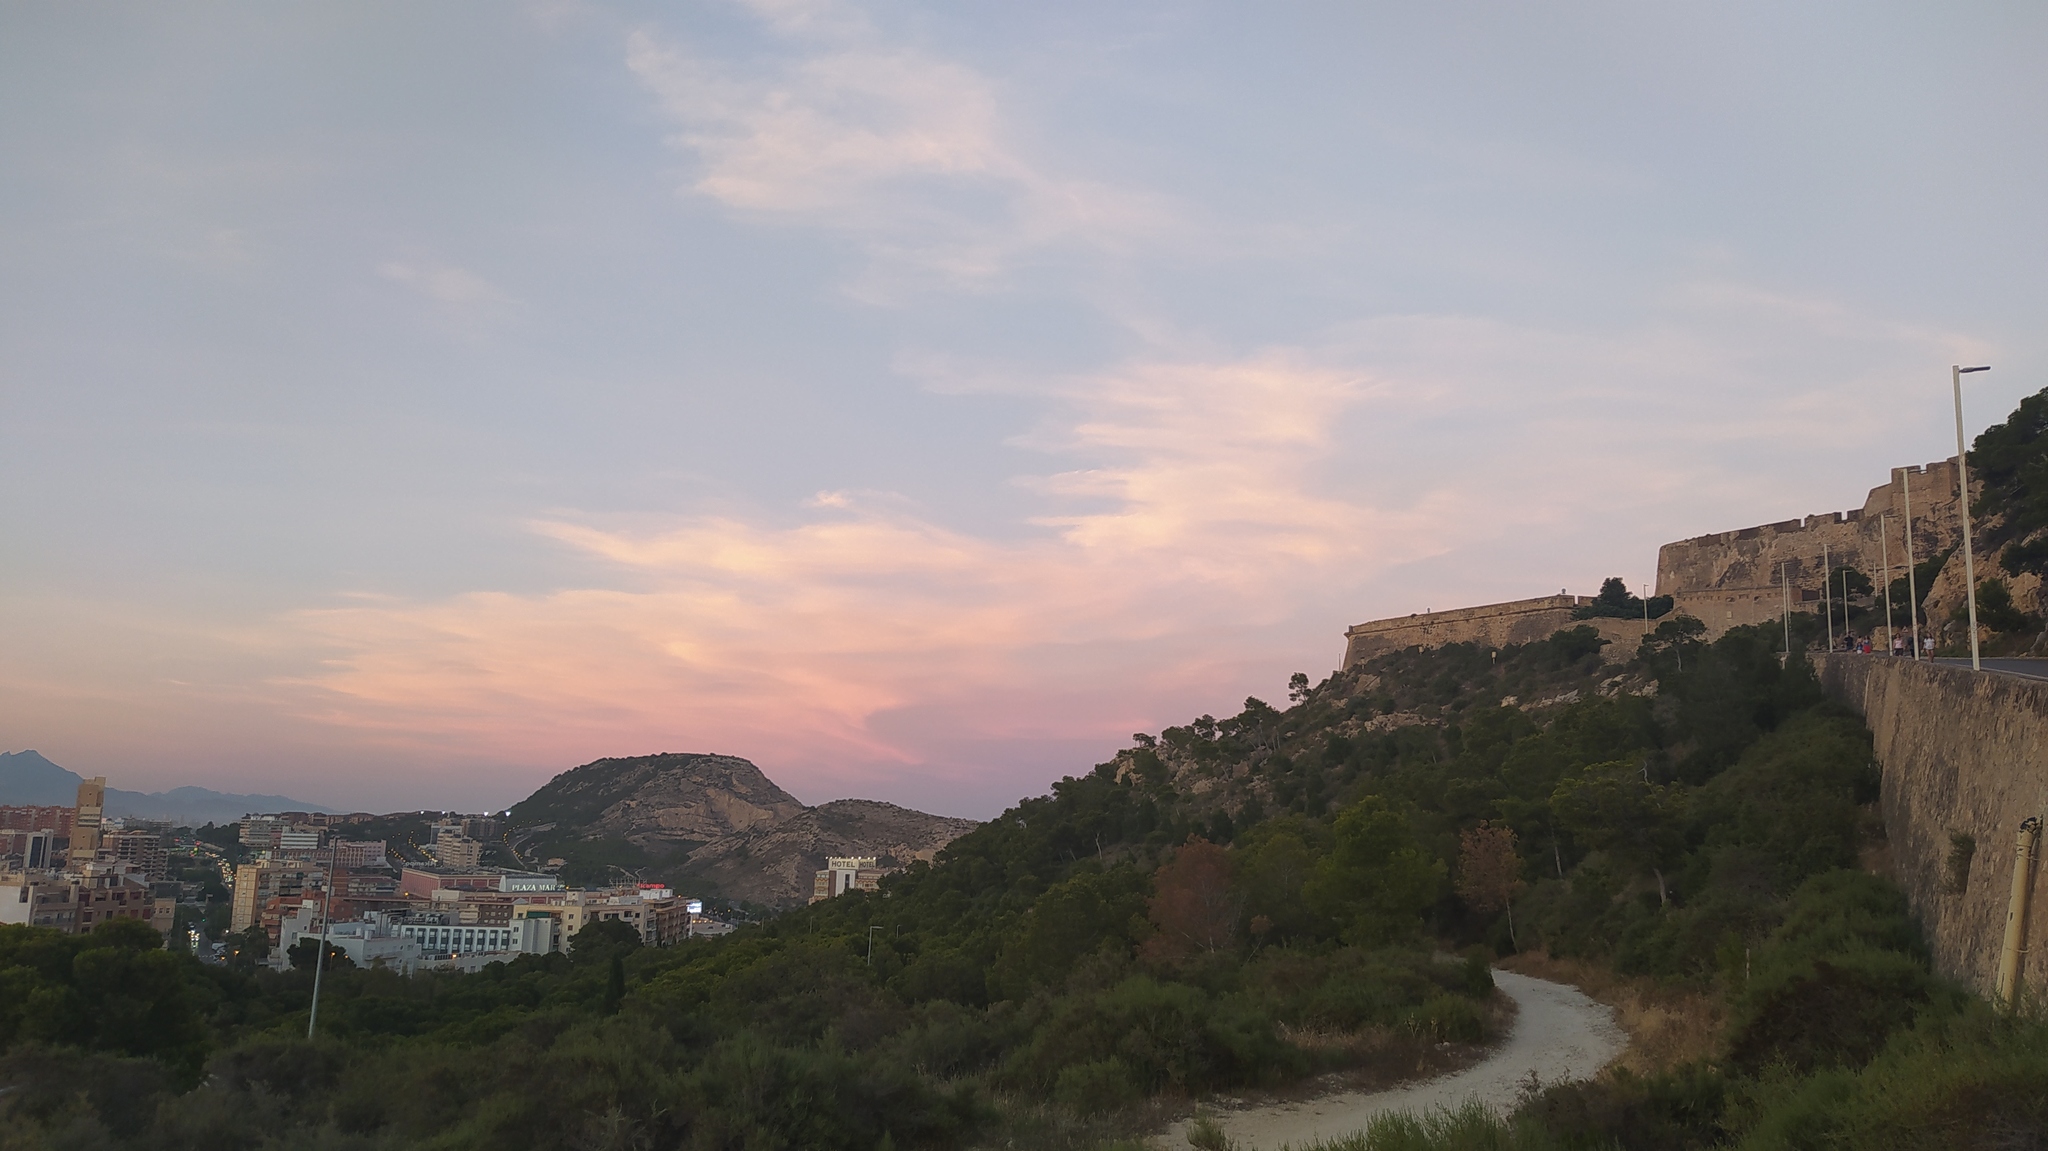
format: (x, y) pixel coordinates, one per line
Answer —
(141, 849)
(92, 809)
(34, 817)
(79, 900)
(257, 884)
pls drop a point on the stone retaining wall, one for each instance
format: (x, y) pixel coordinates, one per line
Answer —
(1961, 752)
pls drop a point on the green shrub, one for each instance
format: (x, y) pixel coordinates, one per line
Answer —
(1846, 969)
(1447, 1019)
(1677, 1111)
(1096, 1086)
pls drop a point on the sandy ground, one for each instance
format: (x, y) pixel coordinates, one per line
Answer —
(1559, 1035)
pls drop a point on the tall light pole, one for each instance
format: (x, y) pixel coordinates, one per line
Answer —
(326, 913)
(1884, 551)
(1827, 604)
(1848, 637)
(1786, 588)
(1912, 581)
(1963, 503)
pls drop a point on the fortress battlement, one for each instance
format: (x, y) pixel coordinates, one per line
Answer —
(1724, 579)
(1498, 624)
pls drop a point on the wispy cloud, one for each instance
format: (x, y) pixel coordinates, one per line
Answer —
(909, 154)
(444, 283)
(1197, 506)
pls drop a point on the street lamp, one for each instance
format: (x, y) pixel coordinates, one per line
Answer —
(1963, 482)
(1912, 582)
(326, 913)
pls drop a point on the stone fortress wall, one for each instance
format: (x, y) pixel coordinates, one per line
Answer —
(1496, 625)
(1725, 580)
(1959, 753)
(1729, 579)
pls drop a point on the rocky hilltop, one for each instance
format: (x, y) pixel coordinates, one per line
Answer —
(774, 864)
(714, 822)
(659, 801)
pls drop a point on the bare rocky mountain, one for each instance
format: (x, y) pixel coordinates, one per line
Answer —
(714, 822)
(774, 864)
(658, 802)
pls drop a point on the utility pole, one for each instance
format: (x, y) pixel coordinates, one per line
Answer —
(1884, 550)
(1912, 581)
(320, 961)
(1963, 505)
(872, 928)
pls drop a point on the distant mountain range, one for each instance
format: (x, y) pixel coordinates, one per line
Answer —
(716, 823)
(27, 778)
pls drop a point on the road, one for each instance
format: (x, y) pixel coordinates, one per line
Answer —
(1559, 1035)
(2023, 667)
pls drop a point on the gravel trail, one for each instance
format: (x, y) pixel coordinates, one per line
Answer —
(1559, 1034)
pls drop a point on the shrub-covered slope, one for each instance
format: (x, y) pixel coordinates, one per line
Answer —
(1231, 903)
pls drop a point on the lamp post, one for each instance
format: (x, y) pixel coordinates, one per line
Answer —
(1963, 505)
(1848, 637)
(1884, 551)
(1786, 589)
(1912, 583)
(1827, 604)
(326, 912)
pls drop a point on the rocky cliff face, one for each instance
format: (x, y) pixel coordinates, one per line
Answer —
(775, 864)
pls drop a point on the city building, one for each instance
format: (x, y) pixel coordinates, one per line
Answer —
(359, 854)
(298, 840)
(29, 850)
(844, 873)
(38, 899)
(371, 941)
(260, 832)
(140, 847)
(421, 881)
(579, 909)
(78, 900)
(440, 935)
(92, 809)
(527, 882)
(458, 851)
(258, 884)
(35, 817)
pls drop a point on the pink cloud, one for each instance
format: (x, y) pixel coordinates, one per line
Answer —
(793, 644)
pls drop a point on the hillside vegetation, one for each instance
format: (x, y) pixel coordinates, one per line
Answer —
(1225, 905)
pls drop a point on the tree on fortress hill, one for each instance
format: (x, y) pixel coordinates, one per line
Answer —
(1615, 601)
(1194, 904)
(1490, 871)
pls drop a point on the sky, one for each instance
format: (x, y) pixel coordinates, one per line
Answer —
(402, 404)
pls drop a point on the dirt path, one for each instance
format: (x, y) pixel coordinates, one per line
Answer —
(1559, 1034)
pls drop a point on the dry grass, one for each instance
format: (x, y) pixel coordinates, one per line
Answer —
(1666, 1026)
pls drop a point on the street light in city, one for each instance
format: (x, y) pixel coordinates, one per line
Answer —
(1963, 503)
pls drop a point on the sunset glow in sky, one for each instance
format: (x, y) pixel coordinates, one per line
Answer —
(400, 405)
